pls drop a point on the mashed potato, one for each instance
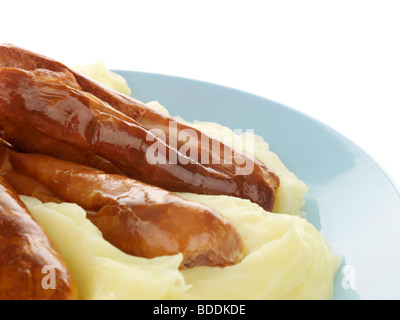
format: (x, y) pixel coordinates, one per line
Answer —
(285, 257)
(99, 72)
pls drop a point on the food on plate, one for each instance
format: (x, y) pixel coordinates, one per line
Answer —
(27, 255)
(79, 153)
(285, 257)
(139, 219)
(104, 125)
(102, 271)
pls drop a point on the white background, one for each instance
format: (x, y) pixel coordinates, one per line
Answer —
(337, 61)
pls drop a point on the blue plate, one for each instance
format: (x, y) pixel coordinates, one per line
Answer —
(351, 201)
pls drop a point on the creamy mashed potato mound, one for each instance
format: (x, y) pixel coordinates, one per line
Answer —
(98, 71)
(285, 257)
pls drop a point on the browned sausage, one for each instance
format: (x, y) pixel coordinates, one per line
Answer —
(139, 219)
(27, 186)
(21, 183)
(258, 185)
(27, 256)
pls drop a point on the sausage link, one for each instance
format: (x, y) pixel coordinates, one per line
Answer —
(139, 219)
(27, 255)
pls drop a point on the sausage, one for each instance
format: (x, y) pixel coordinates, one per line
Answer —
(27, 256)
(16, 57)
(22, 184)
(139, 219)
(27, 186)
(29, 138)
(258, 184)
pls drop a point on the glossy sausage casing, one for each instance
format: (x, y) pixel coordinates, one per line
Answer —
(27, 255)
(258, 185)
(137, 218)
